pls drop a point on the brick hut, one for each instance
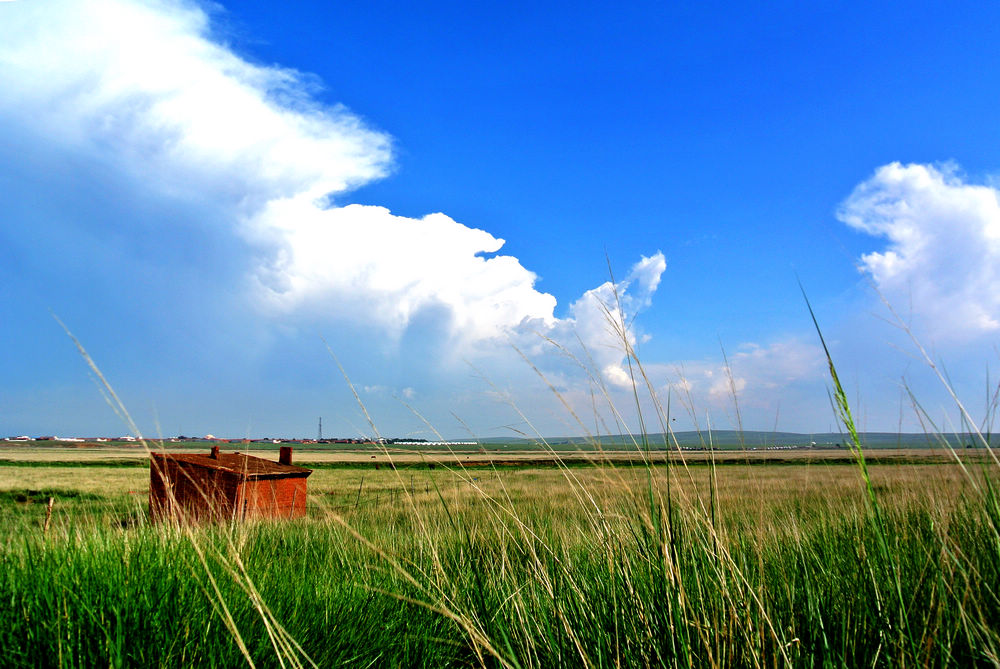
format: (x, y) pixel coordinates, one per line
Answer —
(223, 486)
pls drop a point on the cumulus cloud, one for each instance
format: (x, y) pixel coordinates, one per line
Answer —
(365, 261)
(149, 88)
(146, 83)
(603, 317)
(942, 260)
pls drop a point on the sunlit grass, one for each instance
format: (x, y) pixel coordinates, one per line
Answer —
(789, 573)
(689, 564)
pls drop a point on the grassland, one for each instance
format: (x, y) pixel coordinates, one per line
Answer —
(521, 566)
(485, 457)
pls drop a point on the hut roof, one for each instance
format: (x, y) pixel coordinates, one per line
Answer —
(241, 464)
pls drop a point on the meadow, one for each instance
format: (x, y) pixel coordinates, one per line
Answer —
(805, 563)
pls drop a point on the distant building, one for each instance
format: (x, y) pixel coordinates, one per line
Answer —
(225, 486)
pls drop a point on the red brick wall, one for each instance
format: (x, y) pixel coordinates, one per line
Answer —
(182, 490)
(274, 498)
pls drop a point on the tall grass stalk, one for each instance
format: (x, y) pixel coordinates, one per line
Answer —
(601, 567)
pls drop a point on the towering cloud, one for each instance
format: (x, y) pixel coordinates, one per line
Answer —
(149, 89)
(942, 261)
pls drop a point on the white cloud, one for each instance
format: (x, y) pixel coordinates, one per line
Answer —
(146, 86)
(603, 317)
(366, 262)
(725, 386)
(149, 95)
(942, 262)
(779, 383)
(145, 83)
(760, 375)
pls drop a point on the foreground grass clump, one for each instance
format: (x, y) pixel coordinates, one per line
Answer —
(634, 567)
(143, 598)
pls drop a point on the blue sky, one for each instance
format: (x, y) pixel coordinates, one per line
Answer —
(209, 196)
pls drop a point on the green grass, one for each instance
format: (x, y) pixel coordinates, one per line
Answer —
(823, 564)
(524, 568)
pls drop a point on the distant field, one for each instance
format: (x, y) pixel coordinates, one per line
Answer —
(765, 486)
(135, 455)
(772, 493)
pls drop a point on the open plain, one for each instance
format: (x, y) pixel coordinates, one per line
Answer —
(534, 559)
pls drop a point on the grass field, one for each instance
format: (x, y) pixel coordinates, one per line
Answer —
(608, 565)
(494, 457)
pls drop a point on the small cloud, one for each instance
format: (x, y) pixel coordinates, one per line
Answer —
(647, 273)
(758, 374)
(726, 386)
(617, 376)
(603, 317)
